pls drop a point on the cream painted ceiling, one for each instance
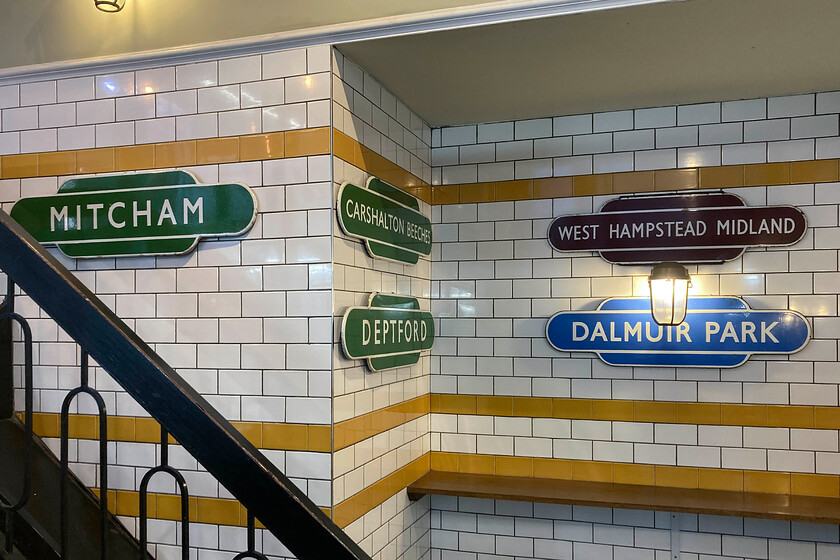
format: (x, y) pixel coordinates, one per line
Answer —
(644, 56)
(665, 52)
(49, 31)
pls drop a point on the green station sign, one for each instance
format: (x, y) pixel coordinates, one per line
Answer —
(143, 214)
(390, 332)
(387, 219)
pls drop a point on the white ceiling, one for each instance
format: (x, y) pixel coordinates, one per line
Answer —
(644, 56)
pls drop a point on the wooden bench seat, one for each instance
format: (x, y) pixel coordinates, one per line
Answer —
(598, 494)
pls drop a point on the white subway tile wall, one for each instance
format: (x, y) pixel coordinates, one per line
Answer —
(793, 128)
(473, 529)
(220, 315)
(476, 281)
(204, 97)
(397, 528)
(253, 323)
(370, 114)
(496, 280)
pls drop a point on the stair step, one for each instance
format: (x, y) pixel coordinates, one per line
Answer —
(37, 525)
(13, 555)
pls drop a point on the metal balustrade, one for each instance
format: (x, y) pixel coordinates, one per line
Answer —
(225, 453)
(182, 488)
(12, 506)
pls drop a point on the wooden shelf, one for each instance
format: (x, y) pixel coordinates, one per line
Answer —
(629, 496)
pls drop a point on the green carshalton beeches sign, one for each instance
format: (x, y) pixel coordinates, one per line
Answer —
(390, 332)
(142, 214)
(387, 219)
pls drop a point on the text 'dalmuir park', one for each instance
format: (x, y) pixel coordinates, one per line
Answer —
(717, 332)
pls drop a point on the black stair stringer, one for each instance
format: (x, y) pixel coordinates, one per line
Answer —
(36, 527)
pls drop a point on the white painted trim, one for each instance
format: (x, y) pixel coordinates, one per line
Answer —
(435, 20)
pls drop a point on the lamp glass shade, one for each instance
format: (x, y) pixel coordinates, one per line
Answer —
(669, 283)
(109, 5)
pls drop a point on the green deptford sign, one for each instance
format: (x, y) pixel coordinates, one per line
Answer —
(387, 219)
(390, 332)
(164, 213)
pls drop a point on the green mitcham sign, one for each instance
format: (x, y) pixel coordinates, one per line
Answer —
(143, 214)
(390, 332)
(387, 219)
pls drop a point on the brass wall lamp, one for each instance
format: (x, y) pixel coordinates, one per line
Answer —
(669, 283)
(110, 6)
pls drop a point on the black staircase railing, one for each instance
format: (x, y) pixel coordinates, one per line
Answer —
(182, 488)
(7, 380)
(84, 389)
(11, 506)
(264, 491)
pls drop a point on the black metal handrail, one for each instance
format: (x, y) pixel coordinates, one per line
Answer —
(267, 494)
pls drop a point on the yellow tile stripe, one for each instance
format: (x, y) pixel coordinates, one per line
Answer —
(359, 504)
(316, 141)
(232, 149)
(642, 474)
(354, 153)
(216, 511)
(714, 414)
(264, 435)
(368, 425)
(728, 176)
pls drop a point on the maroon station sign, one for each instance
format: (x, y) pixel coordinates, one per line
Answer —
(687, 228)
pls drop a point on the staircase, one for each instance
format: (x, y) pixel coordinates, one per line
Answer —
(13, 554)
(37, 526)
(53, 513)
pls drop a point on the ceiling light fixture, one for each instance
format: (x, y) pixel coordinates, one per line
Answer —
(111, 6)
(669, 283)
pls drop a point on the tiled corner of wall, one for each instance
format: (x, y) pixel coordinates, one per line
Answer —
(372, 116)
(367, 112)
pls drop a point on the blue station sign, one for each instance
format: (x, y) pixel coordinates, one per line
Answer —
(717, 332)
